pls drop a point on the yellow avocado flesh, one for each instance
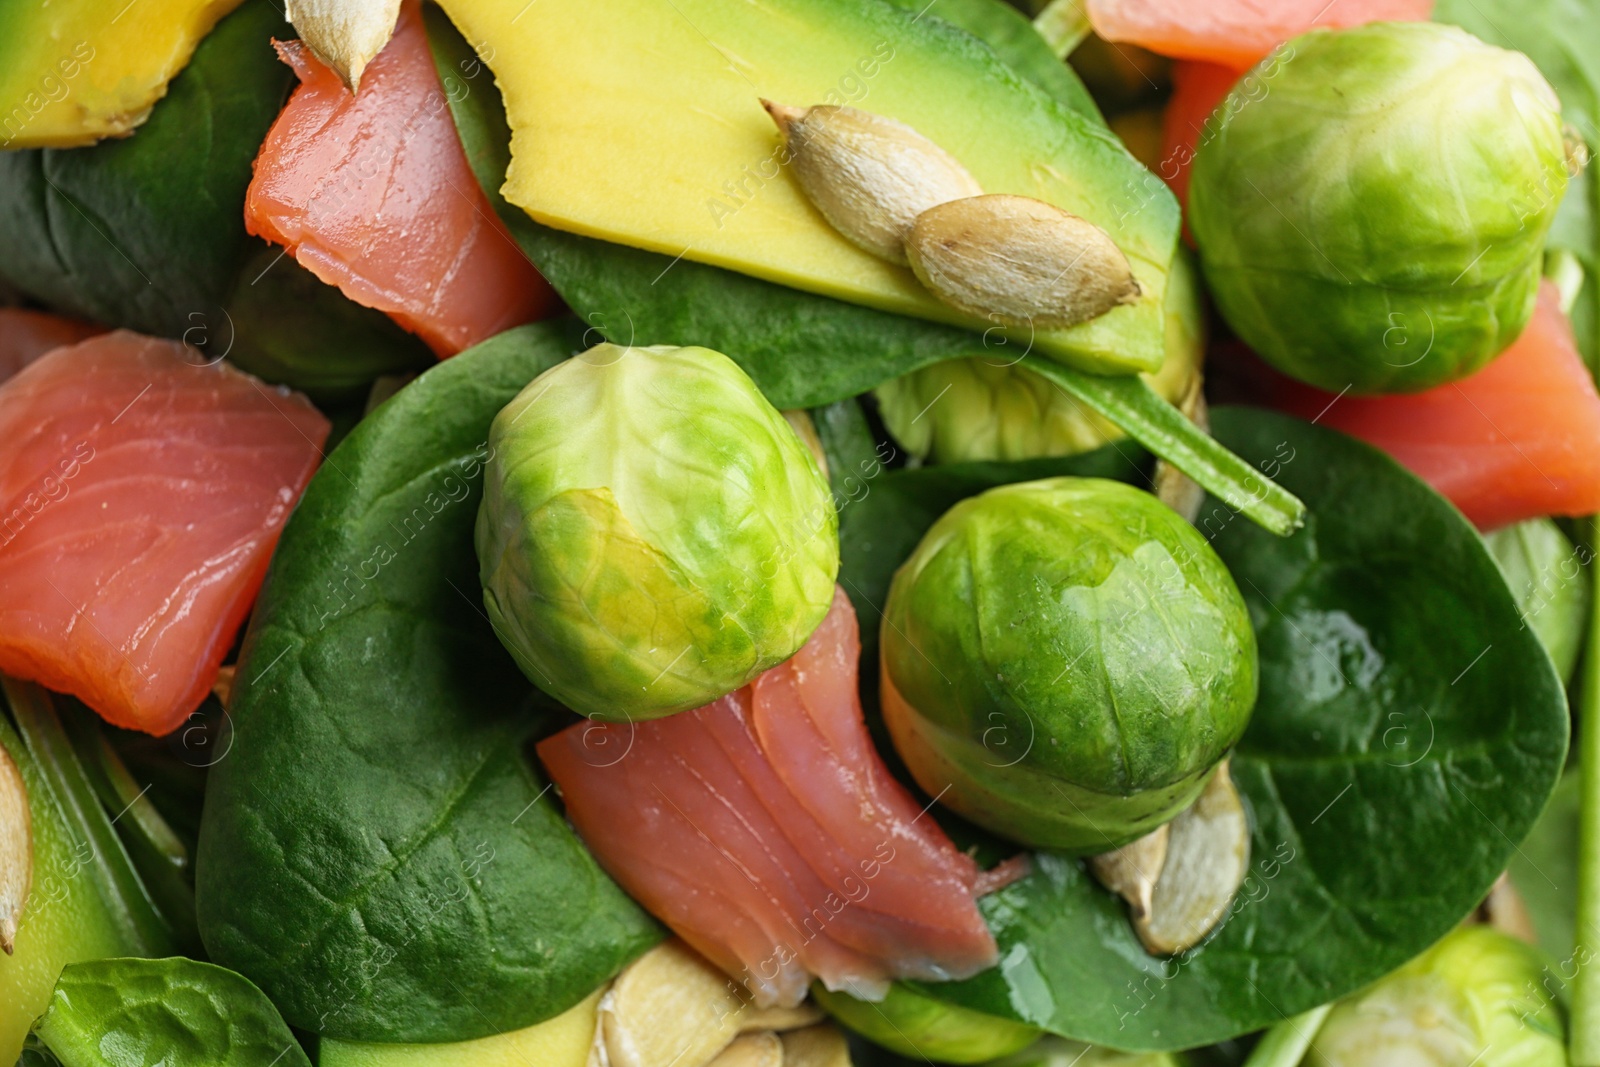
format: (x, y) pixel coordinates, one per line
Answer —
(640, 122)
(560, 1042)
(79, 70)
(65, 919)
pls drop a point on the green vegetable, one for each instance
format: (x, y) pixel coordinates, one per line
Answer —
(1065, 662)
(86, 899)
(801, 350)
(1408, 731)
(1285, 1043)
(991, 408)
(1058, 1052)
(653, 533)
(1545, 573)
(173, 1012)
(377, 852)
(1544, 872)
(1476, 997)
(918, 1026)
(1585, 1035)
(1376, 220)
(145, 232)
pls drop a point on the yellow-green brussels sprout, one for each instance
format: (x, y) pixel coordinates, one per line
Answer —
(988, 407)
(1371, 206)
(1476, 999)
(1065, 662)
(653, 534)
(919, 1026)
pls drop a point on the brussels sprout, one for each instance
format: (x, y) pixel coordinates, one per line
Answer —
(1546, 575)
(919, 1026)
(1371, 204)
(1065, 662)
(989, 407)
(653, 534)
(1476, 998)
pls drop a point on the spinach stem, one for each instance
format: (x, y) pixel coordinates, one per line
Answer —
(1584, 1039)
(1142, 413)
(1285, 1044)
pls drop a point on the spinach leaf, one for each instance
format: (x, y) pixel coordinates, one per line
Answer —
(1408, 732)
(1562, 37)
(1018, 44)
(175, 1012)
(146, 232)
(376, 851)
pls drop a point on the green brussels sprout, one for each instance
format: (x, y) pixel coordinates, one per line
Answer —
(653, 535)
(1545, 572)
(986, 407)
(1065, 662)
(1371, 204)
(1052, 1051)
(916, 1025)
(1476, 998)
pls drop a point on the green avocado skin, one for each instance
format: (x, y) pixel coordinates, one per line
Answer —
(1371, 204)
(1066, 661)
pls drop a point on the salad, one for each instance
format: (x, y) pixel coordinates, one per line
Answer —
(806, 533)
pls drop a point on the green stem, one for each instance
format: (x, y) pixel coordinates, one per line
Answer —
(107, 863)
(1285, 1045)
(1143, 415)
(1584, 1039)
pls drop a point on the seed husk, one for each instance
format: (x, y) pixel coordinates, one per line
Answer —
(761, 1049)
(1504, 910)
(801, 1015)
(1132, 870)
(345, 34)
(815, 1046)
(1174, 488)
(1208, 855)
(669, 1008)
(16, 850)
(870, 176)
(1016, 261)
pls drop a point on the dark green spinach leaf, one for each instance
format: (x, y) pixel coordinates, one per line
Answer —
(377, 852)
(1408, 732)
(174, 1012)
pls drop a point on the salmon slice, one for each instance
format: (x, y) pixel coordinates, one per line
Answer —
(766, 831)
(141, 495)
(26, 335)
(1518, 440)
(1236, 33)
(373, 194)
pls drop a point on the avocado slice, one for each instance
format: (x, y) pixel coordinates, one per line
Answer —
(560, 1042)
(75, 71)
(86, 903)
(641, 123)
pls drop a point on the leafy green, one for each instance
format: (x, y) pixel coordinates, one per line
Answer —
(1408, 731)
(174, 1012)
(145, 232)
(1018, 44)
(376, 851)
(285, 324)
(1544, 571)
(1562, 37)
